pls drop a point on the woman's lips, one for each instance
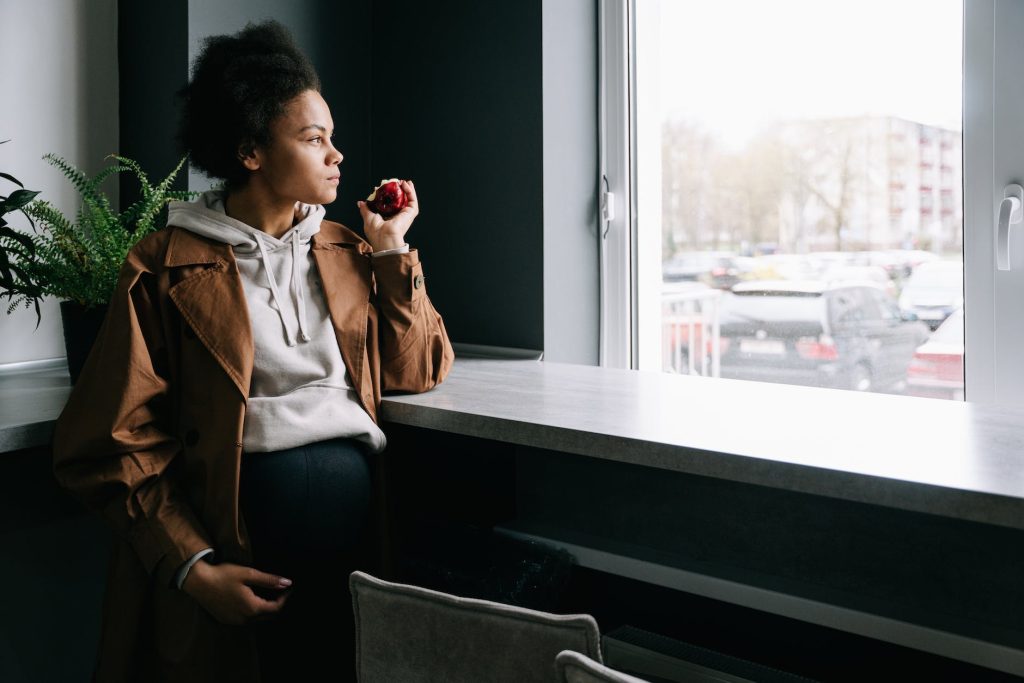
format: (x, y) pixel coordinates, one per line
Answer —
(334, 179)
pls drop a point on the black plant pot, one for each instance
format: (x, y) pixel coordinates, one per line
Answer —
(81, 326)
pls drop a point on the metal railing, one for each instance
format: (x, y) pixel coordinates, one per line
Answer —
(690, 332)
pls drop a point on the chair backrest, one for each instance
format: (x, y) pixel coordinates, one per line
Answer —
(413, 634)
(574, 667)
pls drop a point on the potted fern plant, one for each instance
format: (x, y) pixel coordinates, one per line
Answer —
(11, 271)
(78, 260)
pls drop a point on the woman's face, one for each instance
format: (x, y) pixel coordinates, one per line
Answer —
(301, 163)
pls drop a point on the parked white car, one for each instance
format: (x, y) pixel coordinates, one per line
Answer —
(934, 290)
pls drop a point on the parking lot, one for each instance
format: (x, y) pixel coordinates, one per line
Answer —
(886, 321)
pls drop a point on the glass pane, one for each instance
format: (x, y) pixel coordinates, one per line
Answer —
(811, 190)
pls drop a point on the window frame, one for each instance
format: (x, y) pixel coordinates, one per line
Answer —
(626, 294)
(616, 236)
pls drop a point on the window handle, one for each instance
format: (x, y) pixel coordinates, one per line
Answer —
(607, 206)
(1009, 214)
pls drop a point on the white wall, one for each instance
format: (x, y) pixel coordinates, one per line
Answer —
(59, 80)
(570, 181)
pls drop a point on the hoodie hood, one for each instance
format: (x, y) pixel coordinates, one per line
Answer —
(206, 217)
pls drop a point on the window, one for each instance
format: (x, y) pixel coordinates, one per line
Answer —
(757, 131)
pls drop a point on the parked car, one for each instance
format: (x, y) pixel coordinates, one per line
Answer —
(875, 275)
(897, 265)
(787, 267)
(827, 260)
(817, 334)
(937, 369)
(912, 258)
(689, 266)
(718, 269)
(933, 291)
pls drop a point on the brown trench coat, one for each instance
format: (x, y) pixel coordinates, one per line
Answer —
(151, 436)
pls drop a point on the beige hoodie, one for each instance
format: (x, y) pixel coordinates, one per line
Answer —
(300, 391)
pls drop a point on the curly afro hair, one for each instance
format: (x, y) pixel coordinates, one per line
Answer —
(240, 84)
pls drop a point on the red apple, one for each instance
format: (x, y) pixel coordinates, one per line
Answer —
(387, 199)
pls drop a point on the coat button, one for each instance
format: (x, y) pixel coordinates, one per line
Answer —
(417, 281)
(191, 438)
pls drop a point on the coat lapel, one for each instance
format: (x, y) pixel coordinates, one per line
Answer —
(212, 302)
(345, 271)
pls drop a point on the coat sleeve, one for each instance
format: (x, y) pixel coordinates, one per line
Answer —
(415, 353)
(113, 446)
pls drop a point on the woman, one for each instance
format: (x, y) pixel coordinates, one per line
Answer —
(222, 421)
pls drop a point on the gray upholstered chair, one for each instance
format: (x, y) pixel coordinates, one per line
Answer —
(409, 634)
(574, 667)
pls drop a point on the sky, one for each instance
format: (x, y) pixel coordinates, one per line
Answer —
(735, 65)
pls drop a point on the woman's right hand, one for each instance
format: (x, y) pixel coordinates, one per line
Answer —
(225, 591)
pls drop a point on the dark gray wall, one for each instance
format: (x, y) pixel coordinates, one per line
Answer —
(336, 37)
(491, 109)
(159, 41)
(457, 107)
(152, 57)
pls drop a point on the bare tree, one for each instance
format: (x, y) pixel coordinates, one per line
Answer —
(761, 183)
(821, 163)
(688, 157)
(714, 198)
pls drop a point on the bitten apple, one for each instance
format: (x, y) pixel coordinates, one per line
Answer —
(387, 199)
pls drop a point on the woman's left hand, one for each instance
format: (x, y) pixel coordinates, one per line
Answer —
(390, 234)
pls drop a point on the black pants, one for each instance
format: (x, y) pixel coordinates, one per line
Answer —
(306, 509)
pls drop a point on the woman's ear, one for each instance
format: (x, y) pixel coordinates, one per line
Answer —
(248, 157)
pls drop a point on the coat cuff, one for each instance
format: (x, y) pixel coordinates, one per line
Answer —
(164, 546)
(400, 279)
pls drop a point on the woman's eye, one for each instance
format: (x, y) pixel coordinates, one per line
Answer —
(316, 139)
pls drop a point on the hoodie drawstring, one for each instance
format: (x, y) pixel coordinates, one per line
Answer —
(207, 217)
(296, 288)
(300, 300)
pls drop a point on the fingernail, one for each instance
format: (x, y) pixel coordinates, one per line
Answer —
(284, 583)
